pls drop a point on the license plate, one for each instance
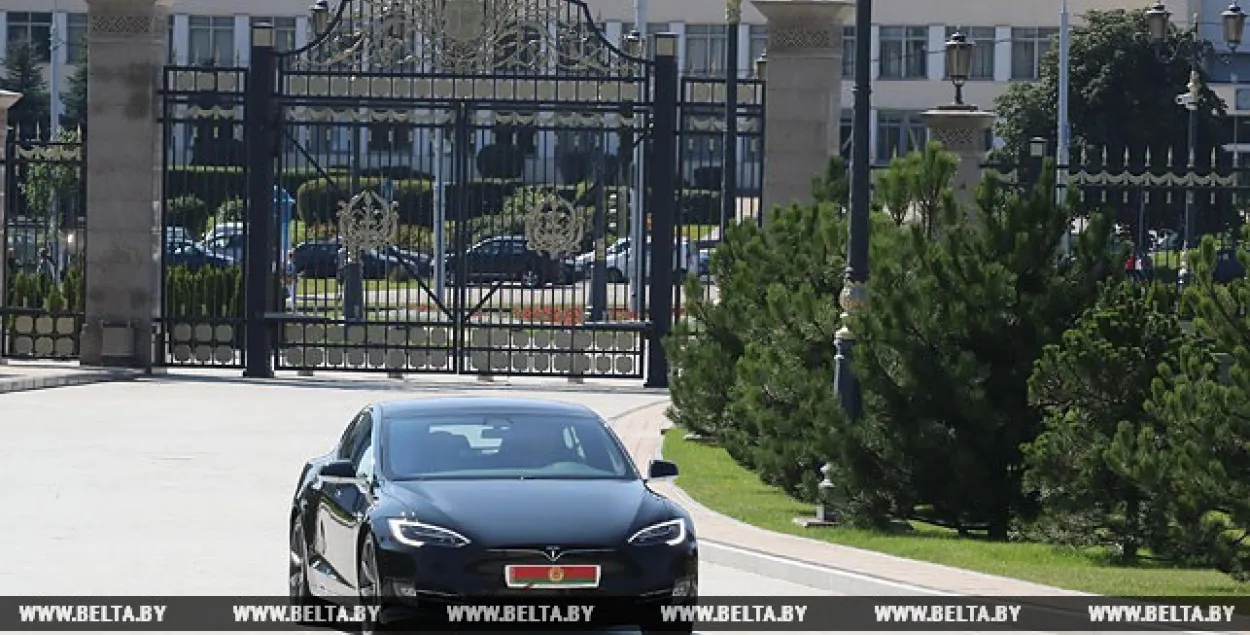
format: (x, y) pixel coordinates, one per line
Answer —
(541, 576)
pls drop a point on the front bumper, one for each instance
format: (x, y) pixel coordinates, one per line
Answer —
(420, 583)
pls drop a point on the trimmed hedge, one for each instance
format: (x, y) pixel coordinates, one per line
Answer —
(214, 185)
(317, 202)
(210, 292)
(29, 291)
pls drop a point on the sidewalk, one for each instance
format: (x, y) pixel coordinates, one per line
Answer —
(21, 376)
(641, 430)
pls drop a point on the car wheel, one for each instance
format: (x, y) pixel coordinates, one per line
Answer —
(615, 276)
(297, 580)
(368, 586)
(531, 279)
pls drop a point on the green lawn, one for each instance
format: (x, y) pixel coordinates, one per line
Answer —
(710, 476)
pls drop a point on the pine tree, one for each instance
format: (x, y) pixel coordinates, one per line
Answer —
(1199, 451)
(1093, 389)
(946, 349)
(23, 74)
(74, 99)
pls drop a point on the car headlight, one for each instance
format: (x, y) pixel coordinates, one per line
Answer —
(415, 534)
(669, 532)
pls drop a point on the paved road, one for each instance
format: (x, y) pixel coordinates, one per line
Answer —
(181, 486)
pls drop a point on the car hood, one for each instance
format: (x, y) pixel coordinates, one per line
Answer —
(532, 512)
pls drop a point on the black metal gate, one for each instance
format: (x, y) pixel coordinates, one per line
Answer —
(451, 191)
(41, 310)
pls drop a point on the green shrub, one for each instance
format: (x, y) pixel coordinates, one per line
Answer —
(317, 202)
(187, 211)
(501, 161)
(231, 211)
(215, 185)
(29, 291)
(708, 177)
(210, 292)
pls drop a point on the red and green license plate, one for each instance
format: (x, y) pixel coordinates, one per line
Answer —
(541, 576)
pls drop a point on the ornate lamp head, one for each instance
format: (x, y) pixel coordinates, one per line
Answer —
(1234, 25)
(959, 63)
(1157, 20)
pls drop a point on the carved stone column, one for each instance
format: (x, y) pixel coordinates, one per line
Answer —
(961, 131)
(7, 100)
(803, 94)
(125, 153)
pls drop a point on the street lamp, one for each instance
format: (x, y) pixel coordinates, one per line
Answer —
(761, 65)
(959, 63)
(1196, 51)
(320, 14)
(729, 166)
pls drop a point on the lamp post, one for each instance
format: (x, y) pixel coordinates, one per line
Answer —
(959, 63)
(1196, 50)
(854, 295)
(729, 166)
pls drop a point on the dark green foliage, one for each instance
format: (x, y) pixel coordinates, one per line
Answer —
(1092, 389)
(215, 185)
(188, 212)
(699, 207)
(1118, 72)
(957, 321)
(833, 185)
(501, 161)
(210, 292)
(317, 201)
(231, 211)
(74, 98)
(23, 73)
(1198, 454)
(29, 291)
(708, 177)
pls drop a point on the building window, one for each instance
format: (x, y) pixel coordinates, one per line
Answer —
(35, 28)
(283, 32)
(1028, 47)
(982, 39)
(212, 40)
(705, 48)
(172, 52)
(759, 42)
(899, 133)
(390, 137)
(904, 52)
(75, 39)
(848, 51)
(652, 28)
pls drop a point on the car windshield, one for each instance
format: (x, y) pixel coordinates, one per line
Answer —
(502, 447)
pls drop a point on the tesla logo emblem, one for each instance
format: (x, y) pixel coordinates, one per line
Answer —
(556, 574)
(552, 553)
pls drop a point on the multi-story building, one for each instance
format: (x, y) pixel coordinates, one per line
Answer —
(907, 43)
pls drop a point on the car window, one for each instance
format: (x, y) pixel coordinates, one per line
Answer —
(502, 447)
(351, 437)
(486, 249)
(364, 465)
(514, 247)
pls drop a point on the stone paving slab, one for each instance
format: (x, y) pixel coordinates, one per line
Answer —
(23, 376)
(641, 431)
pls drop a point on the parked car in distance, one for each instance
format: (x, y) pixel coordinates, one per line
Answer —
(685, 259)
(177, 236)
(320, 259)
(220, 230)
(194, 258)
(583, 265)
(230, 246)
(508, 258)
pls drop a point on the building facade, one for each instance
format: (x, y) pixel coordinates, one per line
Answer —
(907, 44)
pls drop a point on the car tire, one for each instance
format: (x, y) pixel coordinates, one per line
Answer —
(367, 583)
(297, 577)
(531, 279)
(615, 276)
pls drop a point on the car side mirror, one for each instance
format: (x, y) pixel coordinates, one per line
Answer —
(662, 470)
(338, 472)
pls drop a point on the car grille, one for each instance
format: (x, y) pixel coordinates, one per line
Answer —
(609, 560)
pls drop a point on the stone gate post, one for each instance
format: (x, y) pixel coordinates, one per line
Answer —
(803, 94)
(127, 44)
(961, 131)
(7, 100)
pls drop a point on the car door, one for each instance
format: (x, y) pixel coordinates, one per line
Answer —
(515, 258)
(482, 261)
(340, 506)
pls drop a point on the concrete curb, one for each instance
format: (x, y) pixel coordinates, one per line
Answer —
(62, 380)
(837, 581)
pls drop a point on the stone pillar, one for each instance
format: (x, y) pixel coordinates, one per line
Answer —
(803, 94)
(125, 153)
(7, 100)
(961, 131)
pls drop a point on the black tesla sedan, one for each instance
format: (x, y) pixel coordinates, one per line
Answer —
(426, 503)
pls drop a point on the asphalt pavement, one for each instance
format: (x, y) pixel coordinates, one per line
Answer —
(181, 486)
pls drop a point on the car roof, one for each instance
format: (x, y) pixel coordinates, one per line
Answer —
(479, 405)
